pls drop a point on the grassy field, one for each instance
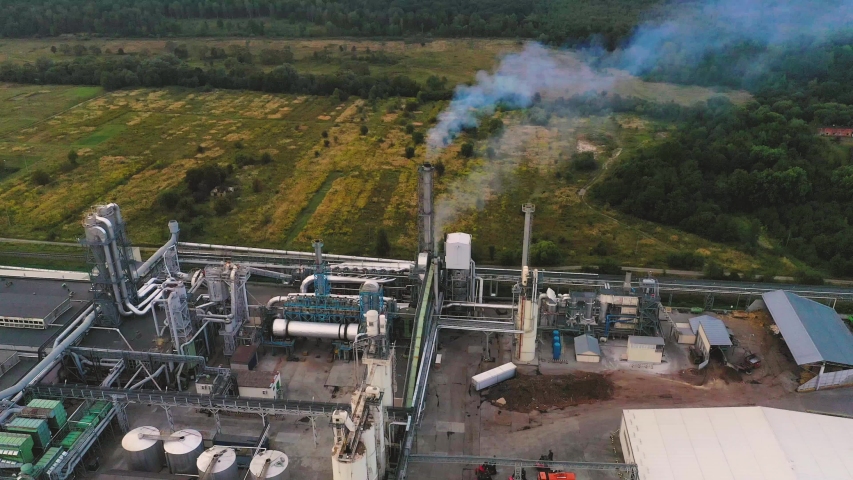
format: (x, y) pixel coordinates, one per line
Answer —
(326, 179)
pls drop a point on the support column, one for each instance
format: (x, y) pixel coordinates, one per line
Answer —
(121, 414)
(218, 424)
(170, 419)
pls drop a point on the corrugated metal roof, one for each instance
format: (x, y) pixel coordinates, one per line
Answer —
(755, 443)
(586, 345)
(638, 340)
(714, 329)
(813, 332)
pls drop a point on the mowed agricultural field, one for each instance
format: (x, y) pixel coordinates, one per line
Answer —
(133, 144)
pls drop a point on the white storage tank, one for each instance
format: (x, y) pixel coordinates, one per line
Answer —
(493, 376)
(457, 251)
(220, 462)
(143, 454)
(183, 450)
(275, 462)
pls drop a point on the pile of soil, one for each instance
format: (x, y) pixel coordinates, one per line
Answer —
(542, 392)
(711, 372)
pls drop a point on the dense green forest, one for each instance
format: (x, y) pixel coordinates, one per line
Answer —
(556, 22)
(730, 173)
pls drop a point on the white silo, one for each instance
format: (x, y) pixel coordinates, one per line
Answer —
(218, 463)
(275, 462)
(144, 454)
(182, 451)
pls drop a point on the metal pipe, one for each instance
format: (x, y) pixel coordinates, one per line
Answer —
(336, 331)
(8, 413)
(173, 240)
(480, 290)
(148, 378)
(528, 209)
(138, 371)
(89, 317)
(340, 279)
(201, 329)
(306, 255)
(480, 305)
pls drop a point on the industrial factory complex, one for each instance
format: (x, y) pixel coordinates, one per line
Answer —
(229, 362)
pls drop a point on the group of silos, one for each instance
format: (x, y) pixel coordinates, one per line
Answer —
(557, 345)
(183, 452)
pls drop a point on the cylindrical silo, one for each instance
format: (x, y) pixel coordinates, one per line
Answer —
(183, 450)
(220, 463)
(275, 463)
(143, 454)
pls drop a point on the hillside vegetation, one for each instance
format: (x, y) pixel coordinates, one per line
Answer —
(286, 168)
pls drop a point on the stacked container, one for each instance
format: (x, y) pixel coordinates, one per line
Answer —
(35, 427)
(17, 447)
(50, 409)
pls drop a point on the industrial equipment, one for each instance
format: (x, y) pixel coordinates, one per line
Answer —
(144, 449)
(183, 449)
(269, 464)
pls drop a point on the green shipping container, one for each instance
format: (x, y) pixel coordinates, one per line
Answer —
(36, 427)
(47, 459)
(100, 408)
(88, 421)
(17, 447)
(58, 415)
(70, 439)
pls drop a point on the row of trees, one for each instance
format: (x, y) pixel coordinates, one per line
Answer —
(168, 70)
(554, 21)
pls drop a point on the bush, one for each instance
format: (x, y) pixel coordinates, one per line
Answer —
(363, 130)
(609, 267)
(600, 249)
(439, 168)
(168, 199)
(467, 149)
(418, 138)
(510, 257)
(201, 180)
(40, 177)
(584, 162)
(806, 277)
(72, 157)
(257, 186)
(243, 160)
(495, 126)
(412, 105)
(266, 158)
(222, 205)
(324, 134)
(685, 261)
(410, 128)
(238, 145)
(383, 246)
(714, 271)
(410, 151)
(544, 253)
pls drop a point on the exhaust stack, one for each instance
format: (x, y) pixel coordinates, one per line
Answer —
(425, 213)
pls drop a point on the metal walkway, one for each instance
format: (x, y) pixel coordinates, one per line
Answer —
(629, 469)
(669, 284)
(475, 325)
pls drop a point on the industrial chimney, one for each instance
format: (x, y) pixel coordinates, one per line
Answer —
(425, 215)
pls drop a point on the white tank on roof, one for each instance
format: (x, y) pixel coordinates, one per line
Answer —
(457, 251)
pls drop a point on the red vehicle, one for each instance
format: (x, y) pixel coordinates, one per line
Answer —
(556, 476)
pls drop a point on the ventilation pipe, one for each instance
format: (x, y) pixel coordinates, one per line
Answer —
(309, 280)
(88, 316)
(425, 213)
(318, 252)
(143, 269)
(528, 209)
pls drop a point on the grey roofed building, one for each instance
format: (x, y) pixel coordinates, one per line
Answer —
(813, 332)
(586, 345)
(714, 329)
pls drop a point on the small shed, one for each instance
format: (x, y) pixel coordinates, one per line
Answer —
(710, 332)
(645, 349)
(587, 349)
(255, 384)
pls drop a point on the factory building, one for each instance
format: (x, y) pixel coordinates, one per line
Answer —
(817, 338)
(645, 349)
(736, 443)
(259, 384)
(587, 349)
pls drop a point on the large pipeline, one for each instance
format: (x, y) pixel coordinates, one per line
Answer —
(89, 318)
(309, 280)
(335, 331)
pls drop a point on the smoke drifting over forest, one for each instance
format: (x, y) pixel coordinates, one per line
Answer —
(685, 37)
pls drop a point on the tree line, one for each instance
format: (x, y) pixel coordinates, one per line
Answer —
(115, 72)
(556, 22)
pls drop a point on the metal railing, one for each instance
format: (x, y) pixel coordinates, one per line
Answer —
(518, 463)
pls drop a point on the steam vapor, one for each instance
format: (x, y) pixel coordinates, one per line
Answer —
(685, 37)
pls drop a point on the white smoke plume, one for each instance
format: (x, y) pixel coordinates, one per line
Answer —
(684, 37)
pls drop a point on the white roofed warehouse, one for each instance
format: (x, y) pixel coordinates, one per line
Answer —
(817, 338)
(737, 443)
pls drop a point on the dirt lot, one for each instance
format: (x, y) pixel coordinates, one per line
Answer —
(525, 393)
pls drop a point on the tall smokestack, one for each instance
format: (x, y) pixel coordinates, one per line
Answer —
(425, 214)
(528, 209)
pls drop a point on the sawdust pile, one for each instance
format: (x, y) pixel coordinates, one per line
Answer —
(542, 392)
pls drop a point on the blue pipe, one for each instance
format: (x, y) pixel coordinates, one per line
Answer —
(608, 321)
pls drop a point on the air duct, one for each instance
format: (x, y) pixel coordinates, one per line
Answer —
(335, 331)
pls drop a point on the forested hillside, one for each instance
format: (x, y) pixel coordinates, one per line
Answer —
(557, 22)
(729, 173)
